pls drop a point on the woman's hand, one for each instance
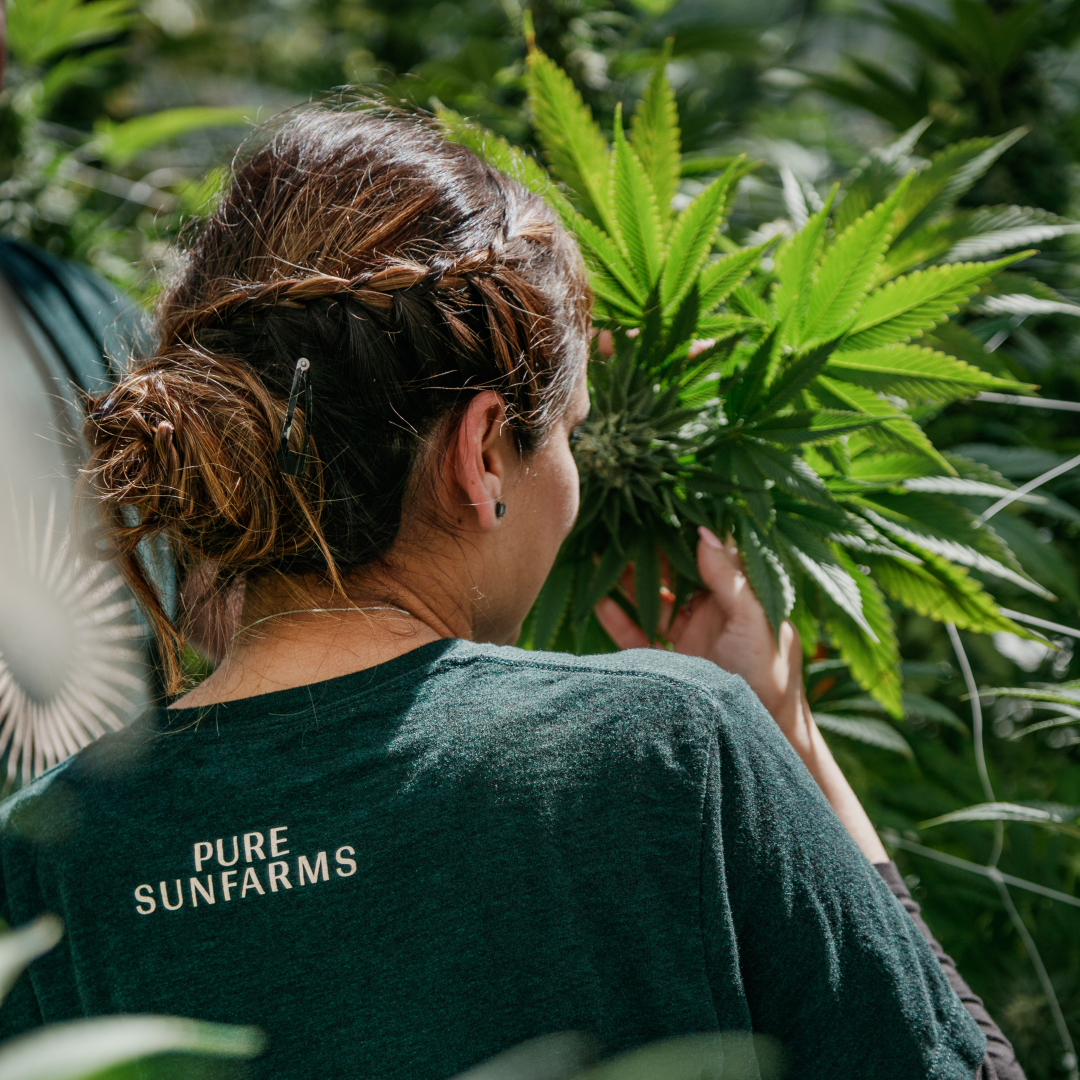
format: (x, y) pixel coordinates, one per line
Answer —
(728, 626)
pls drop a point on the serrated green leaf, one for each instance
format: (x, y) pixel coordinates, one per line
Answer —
(990, 230)
(795, 263)
(767, 575)
(915, 373)
(602, 580)
(791, 473)
(926, 245)
(928, 709)
(824, 566)
(690, 243)
(551, 604)
(612, 303)
(39, 31)
(709, 164)
(743, 397)
(811, 426)
(654, 135)
(633, 201)
(873, 662)
(1003, 811)
(599, 249)
(966, 235)
(795, 375)
(719, 279)
(746, 301)
(865, 729)
(720, 327)
(1065, 694)
(918, 302)
(894, 429)
(579, 157)
(647, 586)
(1067, 720)
(119, 143)
(846, 271)
(871, 180)
(938, 590)
(73, 70)
(950, 174)
(891, 466)
(752, 486)
(679, 555)
(922, 520)
(500, 154)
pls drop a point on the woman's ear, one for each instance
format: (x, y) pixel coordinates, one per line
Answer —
(483, 455)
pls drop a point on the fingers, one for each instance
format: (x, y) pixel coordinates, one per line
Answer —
(721, 570)
(619, 626)
(683, 616)
(667, 598)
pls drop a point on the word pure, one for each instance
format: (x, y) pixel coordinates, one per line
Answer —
(268, 866)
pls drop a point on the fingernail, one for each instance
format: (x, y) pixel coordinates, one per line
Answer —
(709, 537)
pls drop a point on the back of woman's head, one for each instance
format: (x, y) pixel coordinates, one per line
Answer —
(408, 273)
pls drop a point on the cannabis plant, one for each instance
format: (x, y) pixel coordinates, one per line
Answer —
(767, 392)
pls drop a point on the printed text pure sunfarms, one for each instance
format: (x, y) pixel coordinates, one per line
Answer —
(265, 868)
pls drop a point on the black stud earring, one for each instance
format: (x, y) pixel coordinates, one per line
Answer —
(500, 509)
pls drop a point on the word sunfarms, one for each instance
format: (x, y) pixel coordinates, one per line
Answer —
(266, 868)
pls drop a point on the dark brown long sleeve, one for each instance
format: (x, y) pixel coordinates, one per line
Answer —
(1000, 1061)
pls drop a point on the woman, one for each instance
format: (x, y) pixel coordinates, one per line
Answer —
(377, 831)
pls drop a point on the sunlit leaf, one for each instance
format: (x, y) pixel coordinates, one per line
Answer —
(578, 154)
(846, 271)
(795, 263)
(865, 729)
(1004, 811)
(81, 1048)
(916, 374)
(950, 174)
(918, 302)
(501, 155)
(654, 135)
(938, 590)
(38, 30)
(768, 576)
(19, 947)
(636, 216)
(118, 143)
(690, 243)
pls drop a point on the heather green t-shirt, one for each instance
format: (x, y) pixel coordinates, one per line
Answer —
(401, 872)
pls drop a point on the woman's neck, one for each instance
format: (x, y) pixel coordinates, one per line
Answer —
(288, 638)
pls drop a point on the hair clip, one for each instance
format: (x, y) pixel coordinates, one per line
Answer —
(292, 463)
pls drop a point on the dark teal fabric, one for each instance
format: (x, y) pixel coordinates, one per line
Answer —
(482, 845)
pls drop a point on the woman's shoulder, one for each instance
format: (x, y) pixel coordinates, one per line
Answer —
(622, 722)
(647, 682)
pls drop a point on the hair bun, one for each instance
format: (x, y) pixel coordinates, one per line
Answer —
(189, 443)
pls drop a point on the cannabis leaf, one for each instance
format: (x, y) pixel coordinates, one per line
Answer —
(771, 401)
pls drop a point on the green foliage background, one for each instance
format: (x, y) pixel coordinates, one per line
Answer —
(812, 93)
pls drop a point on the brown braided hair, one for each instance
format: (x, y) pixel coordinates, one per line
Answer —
(410, 274)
